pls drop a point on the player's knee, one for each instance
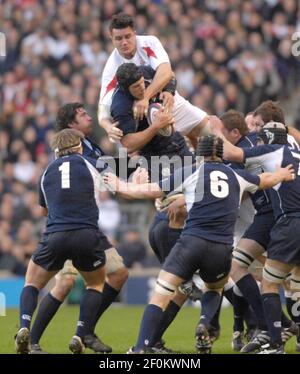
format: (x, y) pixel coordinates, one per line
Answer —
(241, 259)
(273, 275)
(164, 288)
(295, 282)
(63, 286)
(118, 277)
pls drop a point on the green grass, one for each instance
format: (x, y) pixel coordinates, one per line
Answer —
(118, 328)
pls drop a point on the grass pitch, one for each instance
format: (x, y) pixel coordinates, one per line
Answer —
(118, 328)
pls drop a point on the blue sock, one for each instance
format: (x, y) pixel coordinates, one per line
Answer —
(215, 321)
(108, 296)
(228, 293)
(89, 304)
(150, 321)
(210, 303)
(239, 307)
(249, 288)
(168, 317)
(272, 308)
(47, 309)
(28, 303)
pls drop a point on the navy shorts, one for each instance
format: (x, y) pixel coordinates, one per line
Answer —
(285, 241)
(162, 238)
(260, 229)
(213, 260)
(85, 247)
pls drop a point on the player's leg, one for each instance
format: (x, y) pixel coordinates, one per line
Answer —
(36, 278)
(293, 306)
(189, 119)
(210, 303)
(116, 276)
(64, 281)
(91, 298)
(165, 288)
(246, 252)
(274, 274)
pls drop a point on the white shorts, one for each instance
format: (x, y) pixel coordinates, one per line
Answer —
(187, 116)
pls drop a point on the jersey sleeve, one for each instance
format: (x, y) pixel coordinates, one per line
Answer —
(247, 181)
(42, 199)
(156, 52)
(121, 111)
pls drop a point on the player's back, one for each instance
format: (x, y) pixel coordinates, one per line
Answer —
(68, 189)
(213, 196)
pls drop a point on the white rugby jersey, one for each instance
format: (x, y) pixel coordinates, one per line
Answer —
(149, 51)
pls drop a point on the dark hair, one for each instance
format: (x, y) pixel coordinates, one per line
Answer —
(233, 119)
(270, 111)
(66, 115)
(127, 74)
(210, 146)
(121, 21)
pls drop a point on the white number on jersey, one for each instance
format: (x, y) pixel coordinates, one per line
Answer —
(218, 185)
(297, 156)
(65, 174)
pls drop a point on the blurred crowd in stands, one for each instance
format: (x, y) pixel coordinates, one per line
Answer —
(225, 53)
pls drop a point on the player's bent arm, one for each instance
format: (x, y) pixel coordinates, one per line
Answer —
(269, 180)
(162, 76)
(231, 152)
(135, 141)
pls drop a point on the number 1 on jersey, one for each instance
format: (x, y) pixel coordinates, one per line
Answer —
(65, 174)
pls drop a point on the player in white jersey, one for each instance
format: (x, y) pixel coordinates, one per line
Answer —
(144, 50)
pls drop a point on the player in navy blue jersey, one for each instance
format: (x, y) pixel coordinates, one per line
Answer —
(283, 249)
(74, 115)
(213, 192)
(159, 154)
(139, 135)
(256, 238)
(71, 232)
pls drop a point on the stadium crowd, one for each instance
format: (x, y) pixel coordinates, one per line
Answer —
(226, 54)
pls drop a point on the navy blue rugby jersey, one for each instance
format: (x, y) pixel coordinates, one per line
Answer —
(121, 111)
(260, 199)
(91, 149)
(213, 193)
(69, 189)
(285, 197)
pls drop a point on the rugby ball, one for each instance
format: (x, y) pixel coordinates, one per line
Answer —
(152, 112)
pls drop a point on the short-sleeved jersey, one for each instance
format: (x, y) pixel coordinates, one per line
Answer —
(69, 188)
(121, 111)
(213, 193)
(285, 197)
(149, 51)
(261, 198)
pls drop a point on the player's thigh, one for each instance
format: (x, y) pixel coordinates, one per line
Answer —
(37, 276)
(94, 279)
(114, 261)
(246, 251)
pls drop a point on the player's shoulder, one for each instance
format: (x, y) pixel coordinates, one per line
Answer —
(147, 38)
(121, 100)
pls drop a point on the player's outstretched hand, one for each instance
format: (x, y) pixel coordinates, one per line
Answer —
(288, 173)
(140, 176)
(216, 126)
(167, 100)
(113, 182)
(114, 133)
(140, 109)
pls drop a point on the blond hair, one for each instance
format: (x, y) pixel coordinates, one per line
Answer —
(66, 142)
